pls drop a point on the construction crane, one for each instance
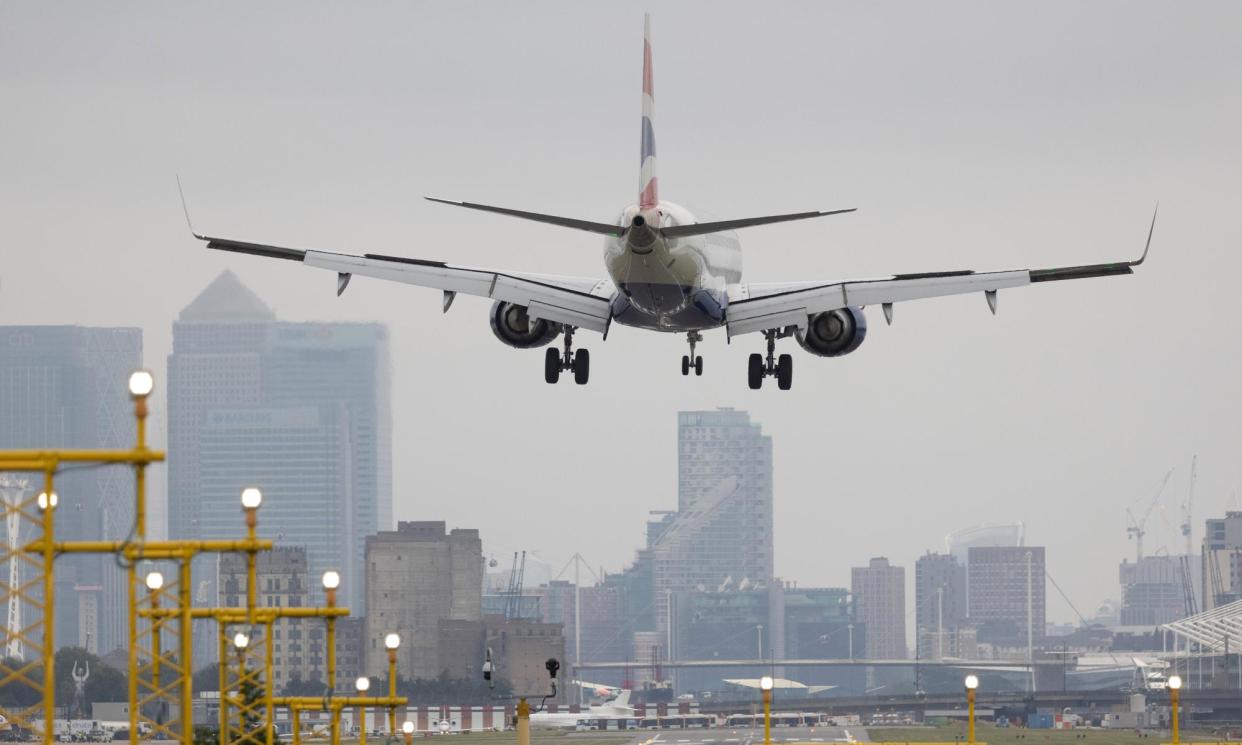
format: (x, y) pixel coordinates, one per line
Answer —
(1187, 509)
(513, 596)
(1136, 529)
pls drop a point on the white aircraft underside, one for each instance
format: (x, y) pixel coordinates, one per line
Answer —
(668, 272)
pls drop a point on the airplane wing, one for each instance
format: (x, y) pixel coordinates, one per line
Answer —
(576, 301)
(757, 307)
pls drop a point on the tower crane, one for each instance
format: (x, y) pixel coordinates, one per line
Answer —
(1136, 527)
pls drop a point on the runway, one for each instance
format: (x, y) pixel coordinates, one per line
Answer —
(748, 736)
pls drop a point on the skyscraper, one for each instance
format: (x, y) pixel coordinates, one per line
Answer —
(879, 591)
(66, 387)
(939, 603)
(722, 530)
(1007, 599)
(300, 410)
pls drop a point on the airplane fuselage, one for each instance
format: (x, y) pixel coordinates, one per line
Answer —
(670, 284)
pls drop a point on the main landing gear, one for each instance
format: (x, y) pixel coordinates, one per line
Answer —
(579, 362)
(691, 360)
(780, 368)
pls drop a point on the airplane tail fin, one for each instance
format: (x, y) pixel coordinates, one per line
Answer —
(648, 192)
(622, 701)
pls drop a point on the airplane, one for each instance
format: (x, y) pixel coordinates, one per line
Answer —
(618, 707)
(667, 272)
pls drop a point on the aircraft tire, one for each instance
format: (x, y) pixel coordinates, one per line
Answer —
(685, 365)
(582, 366)
(698, 365)
(754, 370)
(552, 366)
(784, 372)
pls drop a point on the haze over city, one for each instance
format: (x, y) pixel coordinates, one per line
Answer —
(970, 135)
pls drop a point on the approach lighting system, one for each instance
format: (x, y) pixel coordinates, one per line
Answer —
(972, 682)
(392, 641)
(408, 726)
(766, 683)
(141, 383)
(46, 501)
(240, 640)
(362, 684)
(331, 580)
(1175, 682)
(251, 498)
(155, 581)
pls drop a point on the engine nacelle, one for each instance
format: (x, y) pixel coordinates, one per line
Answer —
(512, 325)
(834, 332)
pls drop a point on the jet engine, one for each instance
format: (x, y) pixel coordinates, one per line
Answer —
(512, 325)
(834, 332)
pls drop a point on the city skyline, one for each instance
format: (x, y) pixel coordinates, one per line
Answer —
(1059, 413)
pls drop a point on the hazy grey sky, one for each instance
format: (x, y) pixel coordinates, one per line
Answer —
(970, 135)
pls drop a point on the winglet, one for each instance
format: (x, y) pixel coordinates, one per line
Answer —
(1150, 231)
(186, 210)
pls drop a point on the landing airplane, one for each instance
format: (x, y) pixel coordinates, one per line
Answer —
(668, 272)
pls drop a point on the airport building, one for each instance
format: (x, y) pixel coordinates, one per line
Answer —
(1007, 597)
(418, 575)
(879, 592)
(66, 387)
(300, 410)
(939, 604)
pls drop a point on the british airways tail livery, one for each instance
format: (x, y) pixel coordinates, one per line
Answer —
(668, 272)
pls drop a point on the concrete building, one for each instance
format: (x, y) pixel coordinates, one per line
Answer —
(282, 581)
(879, 592)
(520, 649)
(350, 652)
(722, 529)
(300, 410)
(1222, 560)
(417, 576)
(939, 604)
(1006, 581)
(66, 387)
(1154, 589)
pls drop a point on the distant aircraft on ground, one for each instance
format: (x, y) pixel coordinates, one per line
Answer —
(667, 272)
(617, 707)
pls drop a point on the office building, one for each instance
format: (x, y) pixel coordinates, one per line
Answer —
(879, 592)
(1007, 600)
(67, 387)
(939, 604)
(417, 576)
(300, 410)
(722, 529)
(1156, 589)
(1222, 560)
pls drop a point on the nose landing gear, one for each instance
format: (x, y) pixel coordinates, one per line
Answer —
(780, 368)
(579, 362)
(691, 360)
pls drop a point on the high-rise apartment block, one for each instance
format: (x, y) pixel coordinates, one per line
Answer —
(1156, 589)
(722, 529)
(282, 581)
(879, 591)
(1007, 600)
(1222, 560)
(939, 604)
(418, 575)
(66, 387)
(300, 410)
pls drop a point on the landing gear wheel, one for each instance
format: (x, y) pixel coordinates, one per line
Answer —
(582, 366)
(784, 372)
(685, 365)
(552, 366)
(755, 371)
(698, 366)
